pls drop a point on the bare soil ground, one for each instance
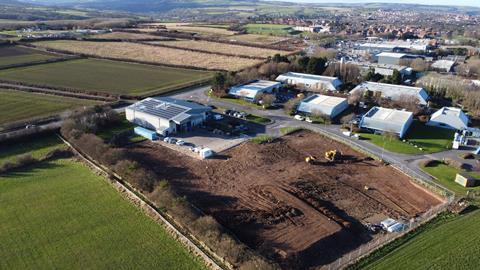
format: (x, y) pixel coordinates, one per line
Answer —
(301, 215)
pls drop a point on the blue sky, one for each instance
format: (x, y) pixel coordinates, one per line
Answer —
(475, 3)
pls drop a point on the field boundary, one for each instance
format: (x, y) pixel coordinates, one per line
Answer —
(193, 245)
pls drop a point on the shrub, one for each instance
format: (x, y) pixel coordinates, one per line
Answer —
(467, 156)
(25, 160)
(58, 153)
(429, 163)
(289, 130)
(262, 139)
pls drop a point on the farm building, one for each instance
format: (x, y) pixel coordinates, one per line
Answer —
(325, 105)
(389, 58)
(310, 82)
(381, 120)
(253, 90)
(449, 117)
(167, 115)
(394, 92)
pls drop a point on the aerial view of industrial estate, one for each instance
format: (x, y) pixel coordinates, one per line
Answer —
(249, 134)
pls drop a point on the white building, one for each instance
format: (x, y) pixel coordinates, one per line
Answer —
(390, 58)
(387, 70)
(393, 91)
(382, 120)
(443, 65)
(310, 82)
(252, 91)
(312, 29)
(325, 105)
(167, 115)
(449, 117)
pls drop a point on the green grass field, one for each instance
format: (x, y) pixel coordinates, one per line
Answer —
(11, 55)
(37, 147)
(430, 139)
(445, 175)
(268, 29)
(60, 215)
(452, 245)
(17, 105)
(107, 76)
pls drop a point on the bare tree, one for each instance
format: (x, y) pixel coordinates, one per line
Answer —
(419, 65)
(267, 100)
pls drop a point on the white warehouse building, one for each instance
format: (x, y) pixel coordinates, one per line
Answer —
(325, 105)
(167, 115)
(252, 91)
(310, 82)
(382, 120)
(393, 91)
(449, 117)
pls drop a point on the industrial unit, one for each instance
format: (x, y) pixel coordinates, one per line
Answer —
(253, 90)
(389, 58)
(167, 115)
(449, 117)
(393, 91)
(310, 82)
(324, 105)
(382, 120)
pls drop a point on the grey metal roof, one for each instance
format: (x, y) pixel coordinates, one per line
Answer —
(169, 108)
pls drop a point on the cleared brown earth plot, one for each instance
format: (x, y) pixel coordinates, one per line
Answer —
(299, 214)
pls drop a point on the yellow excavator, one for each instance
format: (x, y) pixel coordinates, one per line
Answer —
(332, 155)
(310, 159)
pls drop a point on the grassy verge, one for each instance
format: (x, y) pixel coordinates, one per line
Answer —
(124, 126)
(61, 215)
(289, 130)
(447, 242)
(426, 139)
(445, 176)
(258, 119)
(37, 147)
(261, 139)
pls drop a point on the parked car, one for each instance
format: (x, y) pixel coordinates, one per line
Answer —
(217, 117)
(166, 139)
(180, 142)
(172, 141)
(299, 117)
(307, 119)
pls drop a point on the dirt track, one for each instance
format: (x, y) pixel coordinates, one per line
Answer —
(302, 215)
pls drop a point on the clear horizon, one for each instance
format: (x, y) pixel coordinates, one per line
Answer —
(473, 3)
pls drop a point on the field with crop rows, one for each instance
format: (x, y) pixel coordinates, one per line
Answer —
(17, 105)
(13, 55)
(126, 35)
(147, 53)
(257, 39)
(201, 29)
(60, 215)
(107, 76)
(215, 47)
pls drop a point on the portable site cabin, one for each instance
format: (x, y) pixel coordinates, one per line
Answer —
(206, 153)
(466, 180)
(146, 133)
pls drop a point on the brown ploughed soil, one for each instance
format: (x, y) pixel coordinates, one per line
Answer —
(299, 214)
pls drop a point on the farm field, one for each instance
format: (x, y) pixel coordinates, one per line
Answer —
(276, 203)
(215, 47)
(17, 105)
(201, 29)
(453, 245)
(147, 53)
(61, 215)
(37, 148)
(13, 55)
(105, 76)
(268, 29)
(257, 39)
(126, 36)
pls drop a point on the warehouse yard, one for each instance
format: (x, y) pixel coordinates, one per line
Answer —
(301, 215)
(221, 48)
(151, 54)
(118, 78)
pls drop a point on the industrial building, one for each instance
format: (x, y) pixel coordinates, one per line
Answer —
(387, 70)
(389, 58)
(443, 65)
(253, 90)
(397, 46)
(449, 117)
(393, 92)
(167, 115)
(382, 120)
(310, 82)
(324, 105)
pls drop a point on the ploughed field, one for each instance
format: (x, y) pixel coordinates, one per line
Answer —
(301, 215)
(14, 55)
(106, 76)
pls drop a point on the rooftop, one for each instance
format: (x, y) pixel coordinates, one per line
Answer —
(323, 100)
(388, 115)
(390, 90)
(308, 76)
(391, 54)
(169, 108)
(251, 89)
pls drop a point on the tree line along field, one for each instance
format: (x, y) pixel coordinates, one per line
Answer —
(18, 106)
(151, 54)
(453, 245)
(37, 148)
(59, 214)
(215, 47)
(13, 55)
(107, 76)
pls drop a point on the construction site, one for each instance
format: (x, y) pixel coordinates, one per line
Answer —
(302, 200)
